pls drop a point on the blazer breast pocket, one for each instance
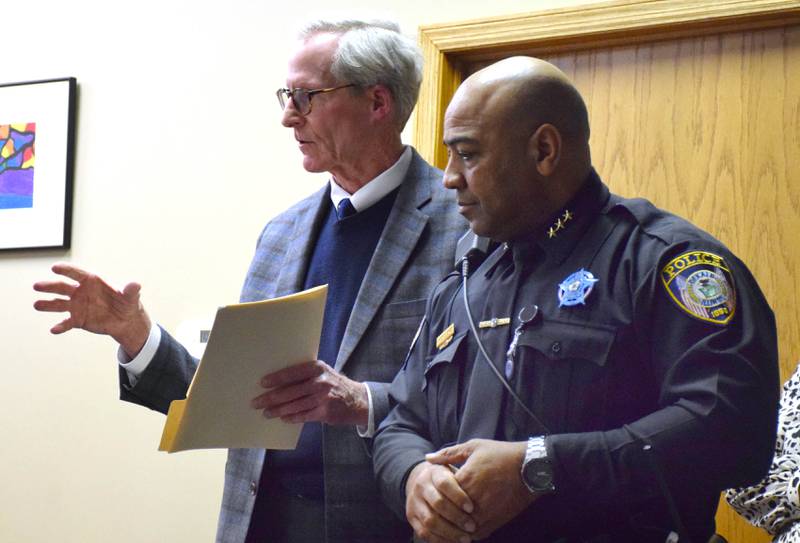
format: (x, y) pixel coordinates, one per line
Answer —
(405, 309)
(395, 328)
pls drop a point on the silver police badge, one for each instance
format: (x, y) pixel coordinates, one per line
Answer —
(575, 288)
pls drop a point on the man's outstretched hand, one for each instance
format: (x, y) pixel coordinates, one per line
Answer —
(93, 305)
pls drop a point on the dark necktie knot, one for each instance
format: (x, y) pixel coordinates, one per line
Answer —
(345, 209)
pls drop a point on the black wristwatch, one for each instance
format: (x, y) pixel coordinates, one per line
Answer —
(537, 469)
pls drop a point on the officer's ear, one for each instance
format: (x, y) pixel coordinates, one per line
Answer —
(544, 146)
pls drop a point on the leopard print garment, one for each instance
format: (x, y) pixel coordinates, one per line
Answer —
(773, 504)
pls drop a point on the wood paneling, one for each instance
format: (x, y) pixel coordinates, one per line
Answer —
(449, 49)
(704, 123)
(709, 128)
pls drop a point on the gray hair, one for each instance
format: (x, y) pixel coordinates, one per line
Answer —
(372, 53)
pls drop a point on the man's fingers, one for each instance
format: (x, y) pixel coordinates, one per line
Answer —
(458, 522)
(431, 526)
(51, 306)
(301, 405)
(429, 511)
(131, 291)
(433, 537)
(292, 374)
(54, 287)
(455, 503)
(456, 454)
(312, 415)
(442, 530)
(426, 535)
(448, 503)
(279, 396)
(68, 270)
(63, 326)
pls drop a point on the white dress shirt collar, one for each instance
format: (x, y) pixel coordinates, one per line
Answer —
(376, 189)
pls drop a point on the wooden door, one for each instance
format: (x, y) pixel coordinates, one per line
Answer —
(698, 113)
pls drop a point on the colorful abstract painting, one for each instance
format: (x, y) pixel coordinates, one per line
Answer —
(17, 153)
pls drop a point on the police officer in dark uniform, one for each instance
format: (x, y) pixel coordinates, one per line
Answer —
(602, 375)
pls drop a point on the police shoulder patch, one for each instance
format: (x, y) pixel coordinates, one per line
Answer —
(701, 284)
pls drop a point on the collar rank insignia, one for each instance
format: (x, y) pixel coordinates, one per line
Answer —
(575, 288)
(444, 339)
(560, 224)
(701, 284)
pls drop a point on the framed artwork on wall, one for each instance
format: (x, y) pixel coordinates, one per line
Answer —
(37, 138)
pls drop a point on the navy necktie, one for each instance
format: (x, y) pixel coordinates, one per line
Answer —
(345, 209)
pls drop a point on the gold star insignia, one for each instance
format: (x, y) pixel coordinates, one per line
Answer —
(560, 224)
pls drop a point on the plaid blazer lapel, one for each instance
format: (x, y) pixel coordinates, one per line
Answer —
(301, 242)
(398, 240)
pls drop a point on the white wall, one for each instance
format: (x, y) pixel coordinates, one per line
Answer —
(180, 161)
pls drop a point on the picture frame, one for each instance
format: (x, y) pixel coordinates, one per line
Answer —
(37, 140)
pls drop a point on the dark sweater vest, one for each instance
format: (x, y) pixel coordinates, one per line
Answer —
(341, 256)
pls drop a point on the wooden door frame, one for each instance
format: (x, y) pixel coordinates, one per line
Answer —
(447, 48)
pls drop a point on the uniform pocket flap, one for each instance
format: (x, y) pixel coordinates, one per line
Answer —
(444, 356)
(561, 340)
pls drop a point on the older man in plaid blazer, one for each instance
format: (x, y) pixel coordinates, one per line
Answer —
(350, 89)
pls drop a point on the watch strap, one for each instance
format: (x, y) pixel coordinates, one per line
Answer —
(537, 469)
(536, 449)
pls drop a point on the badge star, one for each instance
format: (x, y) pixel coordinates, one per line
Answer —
(551, 233)
(567, 215)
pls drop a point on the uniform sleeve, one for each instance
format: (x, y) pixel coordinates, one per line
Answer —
(717, 393)
(772, 503)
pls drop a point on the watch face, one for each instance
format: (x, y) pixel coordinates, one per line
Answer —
(539, 475)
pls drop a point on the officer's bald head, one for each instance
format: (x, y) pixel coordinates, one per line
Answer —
(523, 93)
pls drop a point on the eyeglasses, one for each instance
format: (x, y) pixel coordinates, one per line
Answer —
(301, 98)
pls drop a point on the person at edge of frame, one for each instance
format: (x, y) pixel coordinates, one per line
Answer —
(772, 503)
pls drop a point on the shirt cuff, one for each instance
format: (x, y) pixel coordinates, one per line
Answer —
(369, 430)
(135, 366)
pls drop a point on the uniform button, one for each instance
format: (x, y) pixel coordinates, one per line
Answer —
(253, 488)
(556, 347)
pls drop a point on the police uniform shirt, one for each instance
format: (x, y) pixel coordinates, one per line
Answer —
(649, 354)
